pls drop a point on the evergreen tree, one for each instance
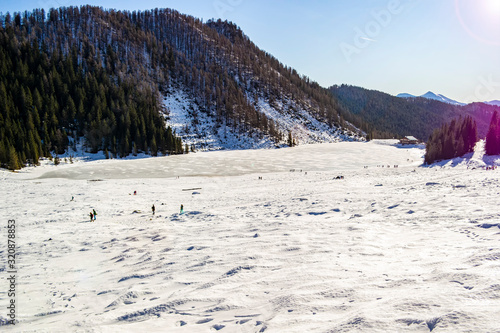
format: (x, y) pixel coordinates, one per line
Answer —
(290, 141)
(451, 140)
(13, 163)
(4, 154)
(492, 144)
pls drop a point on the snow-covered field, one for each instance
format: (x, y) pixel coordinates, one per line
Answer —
(405, 249)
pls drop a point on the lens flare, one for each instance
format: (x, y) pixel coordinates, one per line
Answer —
(480, 19)
(494, 5)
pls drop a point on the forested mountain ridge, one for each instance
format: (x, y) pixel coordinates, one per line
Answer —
(416, 116)
(105, 75)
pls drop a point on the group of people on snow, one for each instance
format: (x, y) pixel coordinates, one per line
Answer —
(93, 213)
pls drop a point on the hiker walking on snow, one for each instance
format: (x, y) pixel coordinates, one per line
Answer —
(153, 209)
(91, 216)
(182, 208)
(95, 214)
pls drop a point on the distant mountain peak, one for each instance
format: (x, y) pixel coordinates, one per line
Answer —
(405, 95)
(495, 102)
(433, 96)
(430, 94)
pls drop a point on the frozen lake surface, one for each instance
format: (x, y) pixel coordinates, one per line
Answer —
(321, 157)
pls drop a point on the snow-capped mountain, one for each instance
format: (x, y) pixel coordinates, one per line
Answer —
(405, 95)
(495, 102)
(444, 99)
(431, 95)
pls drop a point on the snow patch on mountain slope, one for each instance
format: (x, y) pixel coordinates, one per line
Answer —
(198, 127)
(304, 127)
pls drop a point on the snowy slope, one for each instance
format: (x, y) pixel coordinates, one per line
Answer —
(385, 249)
(431, 95)
(304, 127)
(198, 127)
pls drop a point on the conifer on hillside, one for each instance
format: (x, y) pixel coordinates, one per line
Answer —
(492, 144)
(103, 80)
(38, 114)
(453, 139)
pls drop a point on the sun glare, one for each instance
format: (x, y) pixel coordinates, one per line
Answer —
(494, 5)
(481, 19)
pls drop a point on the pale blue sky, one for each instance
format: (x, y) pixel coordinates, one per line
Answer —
(450, 47)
